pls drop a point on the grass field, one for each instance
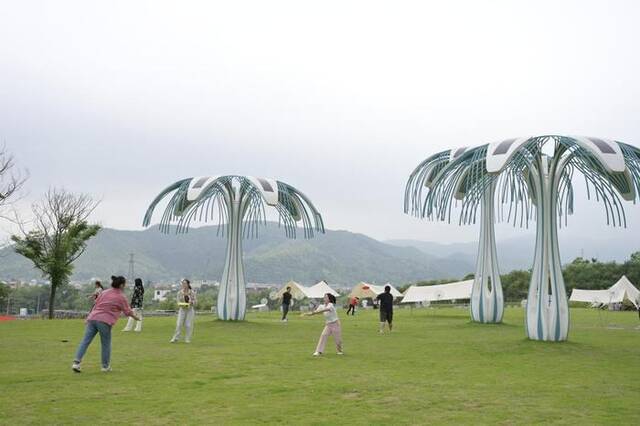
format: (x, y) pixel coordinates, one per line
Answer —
(437, 367)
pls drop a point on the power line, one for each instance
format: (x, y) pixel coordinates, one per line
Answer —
(131, 267)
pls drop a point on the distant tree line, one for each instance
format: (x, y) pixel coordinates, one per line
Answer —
(36, 298)
(581, 273)
(589, 274)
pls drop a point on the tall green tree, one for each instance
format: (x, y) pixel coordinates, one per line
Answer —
(4, 295)
(59, 236)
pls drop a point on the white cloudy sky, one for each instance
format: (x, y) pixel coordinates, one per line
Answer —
(341, 99)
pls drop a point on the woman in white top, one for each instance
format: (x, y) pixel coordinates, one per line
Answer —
(331, 326)
(96, 292)
(186, 299)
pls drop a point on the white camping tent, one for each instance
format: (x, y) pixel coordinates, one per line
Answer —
(451, 291)
(318, 290)
(298, 291)
(617, 293)
(364, 290)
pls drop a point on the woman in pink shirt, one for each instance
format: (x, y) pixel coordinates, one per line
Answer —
(109, 304)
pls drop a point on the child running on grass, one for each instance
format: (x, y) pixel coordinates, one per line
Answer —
(331, 326)
(103, 316)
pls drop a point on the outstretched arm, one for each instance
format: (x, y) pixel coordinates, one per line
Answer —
(317, 311)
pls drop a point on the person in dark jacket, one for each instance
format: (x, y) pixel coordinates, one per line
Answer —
(286, 302)
(136, 304)
(386, 308)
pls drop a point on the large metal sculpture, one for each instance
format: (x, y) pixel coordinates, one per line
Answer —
(440, 174)
(238, 203)
(534, 174)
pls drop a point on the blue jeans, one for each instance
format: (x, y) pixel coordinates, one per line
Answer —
(93, 328)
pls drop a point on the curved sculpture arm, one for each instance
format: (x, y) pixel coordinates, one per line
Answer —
(598, 175)
(147, 217)
(464, 179)
(293, 203)
(422, 177)
(631, 156)
(200, 199)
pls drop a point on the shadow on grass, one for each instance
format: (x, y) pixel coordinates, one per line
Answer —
(443, 316)
(241, 324)
(494, 325)
(567, 346)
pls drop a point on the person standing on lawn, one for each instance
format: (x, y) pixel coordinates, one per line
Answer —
(136, 305)
(386, 308)
(97, 290)
(109, 304)
(286, 302)
(187, 313)
(353, 302)
(331, 324)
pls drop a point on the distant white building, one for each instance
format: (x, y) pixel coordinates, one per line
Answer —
(160, 295)
(261, 286)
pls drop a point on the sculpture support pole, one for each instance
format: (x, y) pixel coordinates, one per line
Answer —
(232, 293)
(547, 316)
(487, 300)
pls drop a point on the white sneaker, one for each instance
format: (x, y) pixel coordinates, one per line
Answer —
(76, 367)
(340, 353)
(317, 353)
(106, 369)
(173, 340)
(187, 341)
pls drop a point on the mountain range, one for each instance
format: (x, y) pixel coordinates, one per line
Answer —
(338, 257)
(517, 252)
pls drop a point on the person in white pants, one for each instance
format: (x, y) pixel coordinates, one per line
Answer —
(136, 305)
(186, 299)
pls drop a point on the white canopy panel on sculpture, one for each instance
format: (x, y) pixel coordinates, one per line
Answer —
(433, 293)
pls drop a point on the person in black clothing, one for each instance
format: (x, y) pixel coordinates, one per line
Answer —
(386, 308)
(286, 301)
(136, 305)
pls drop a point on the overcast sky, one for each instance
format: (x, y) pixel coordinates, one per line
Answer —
(340, 99)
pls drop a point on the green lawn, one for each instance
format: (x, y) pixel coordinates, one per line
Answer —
(436, 367)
